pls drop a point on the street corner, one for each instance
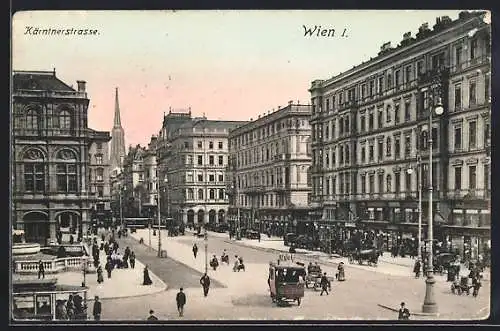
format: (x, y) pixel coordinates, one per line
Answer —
(126, 283)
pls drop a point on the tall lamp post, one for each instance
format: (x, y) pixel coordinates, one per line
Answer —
(158, 207)
(235, 190)
(121, 190)
(419, 181)
(430, 305)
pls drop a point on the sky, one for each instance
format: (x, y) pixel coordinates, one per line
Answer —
(226, 65)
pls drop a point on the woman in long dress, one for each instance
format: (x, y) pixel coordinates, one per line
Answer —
(147, 279)
(100, 278)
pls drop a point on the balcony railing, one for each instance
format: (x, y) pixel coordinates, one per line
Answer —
(55, 265)
(470, 194)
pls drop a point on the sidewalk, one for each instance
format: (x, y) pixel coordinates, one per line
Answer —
(124, 283)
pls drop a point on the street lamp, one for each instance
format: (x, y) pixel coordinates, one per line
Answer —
(158, 207)
(419, 180)
(430, 305)
(206, 248)
(84, 270)
(121, 190)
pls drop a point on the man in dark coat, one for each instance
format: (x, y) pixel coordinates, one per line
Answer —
(324, 284)
(404, 313)
(195, 250)
(205, 283)
(41, 270)
(417, 268)
(109, 267)
(96, 311)
(181, 301)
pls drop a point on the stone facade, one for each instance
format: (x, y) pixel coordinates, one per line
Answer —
(371, 123)
(50, 157)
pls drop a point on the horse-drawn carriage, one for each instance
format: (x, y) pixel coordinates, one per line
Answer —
(368, 255)
(313, 277)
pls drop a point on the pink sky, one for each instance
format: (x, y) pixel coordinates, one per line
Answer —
(228, 65)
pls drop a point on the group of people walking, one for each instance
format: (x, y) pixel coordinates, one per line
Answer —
(114, 258)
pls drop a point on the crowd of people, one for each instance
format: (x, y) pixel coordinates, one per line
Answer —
(115, 259)
(71, 309)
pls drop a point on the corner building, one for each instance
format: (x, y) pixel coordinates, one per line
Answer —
(50, 157)
(270, 160)
(370, 123)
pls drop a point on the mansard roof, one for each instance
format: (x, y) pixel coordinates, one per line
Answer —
(39, 80)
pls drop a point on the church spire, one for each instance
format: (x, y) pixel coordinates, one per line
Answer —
(117, 123)
(117, 152)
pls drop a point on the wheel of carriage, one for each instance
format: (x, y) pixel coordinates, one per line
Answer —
(459, 291)
(307, 285)
(452, 288)
(298, 301)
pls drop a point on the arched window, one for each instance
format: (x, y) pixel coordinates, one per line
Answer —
(221, 194)
(388, 146)
(389, 183)
(32, 119)
(200, 194)
(190, 194)
(211, 193)
(388, 113)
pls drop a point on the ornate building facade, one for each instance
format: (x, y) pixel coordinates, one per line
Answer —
(370, 124)
(194, 156)
(269, 166)
(50, 157)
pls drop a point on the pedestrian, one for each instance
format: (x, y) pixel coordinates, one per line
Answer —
(181, 301)
(147, 280)
(205, 283)
(96, 311)
(151, 316)
(100, 278)
(132, 259)
(404, 313)
(417, 268)
(195, 250)
(41, 270)
(324, 284)
(108, 267)
(259, 236)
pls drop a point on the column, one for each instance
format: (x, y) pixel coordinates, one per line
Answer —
(85, 222)
(184, 216)
(52, 225)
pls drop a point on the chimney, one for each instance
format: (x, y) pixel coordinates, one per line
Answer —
(424, 27)
(446, 20)
(384, 48)
(81, 85)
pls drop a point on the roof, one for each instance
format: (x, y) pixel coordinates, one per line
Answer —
(39, 80)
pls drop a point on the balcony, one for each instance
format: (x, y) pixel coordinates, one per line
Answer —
(255, 189)
(469, 194)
